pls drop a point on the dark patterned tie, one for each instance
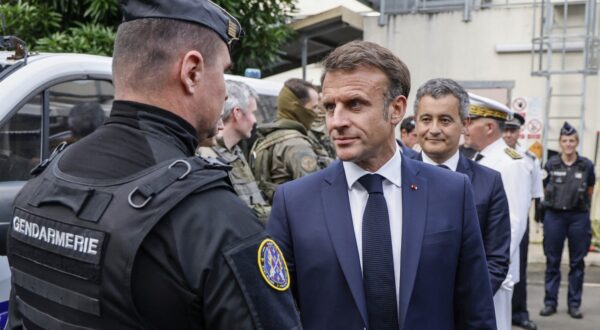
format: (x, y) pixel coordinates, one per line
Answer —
(478, 157)
(378, 260)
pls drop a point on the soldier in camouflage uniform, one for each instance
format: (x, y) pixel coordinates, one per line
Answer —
(238, 119)
(284, 151)
(318, 131)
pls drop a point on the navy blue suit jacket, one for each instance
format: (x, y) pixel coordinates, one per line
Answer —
(409, 152)
(494, 218)
(444, 282)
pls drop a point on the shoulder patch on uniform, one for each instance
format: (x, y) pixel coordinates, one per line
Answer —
(513, 153)
(308, 163)
(272, 266)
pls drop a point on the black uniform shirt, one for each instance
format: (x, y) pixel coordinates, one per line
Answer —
(180, 278)
(557, 160)
(564, 188)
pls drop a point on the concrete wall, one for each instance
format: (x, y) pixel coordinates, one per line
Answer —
(442, 45)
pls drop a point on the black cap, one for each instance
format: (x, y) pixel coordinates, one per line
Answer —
(408, 124)
(516, 121)
(567, 129)
(203, 12)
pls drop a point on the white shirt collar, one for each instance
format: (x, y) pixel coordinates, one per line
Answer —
(451, 162)
(498, 144)
(520, 148)
(390, 170)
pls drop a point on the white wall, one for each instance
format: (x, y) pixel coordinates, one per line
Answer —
(442, 45)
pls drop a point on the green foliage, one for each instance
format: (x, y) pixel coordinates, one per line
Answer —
(28, 21)
(103, 11)
(73, 12)
(89, 26)
(85, 38)
(265, 27)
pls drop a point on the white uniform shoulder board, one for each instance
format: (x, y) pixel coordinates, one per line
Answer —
(513, 153)
(531, 155)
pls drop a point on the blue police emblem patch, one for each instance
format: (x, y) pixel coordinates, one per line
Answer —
(272, 266)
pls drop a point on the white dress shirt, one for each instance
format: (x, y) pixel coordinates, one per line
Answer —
(392, 192)
(451, 162)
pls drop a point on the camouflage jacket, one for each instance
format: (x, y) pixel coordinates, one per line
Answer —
(240, 176)
(284, 152)
(320, 135)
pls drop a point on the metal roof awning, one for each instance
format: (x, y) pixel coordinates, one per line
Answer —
(316, 36)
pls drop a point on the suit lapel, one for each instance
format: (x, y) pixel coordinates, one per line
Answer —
(414, 215)
(341, 231)
(464, 167)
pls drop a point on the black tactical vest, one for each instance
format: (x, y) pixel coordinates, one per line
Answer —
(63, 229)
(567, 186)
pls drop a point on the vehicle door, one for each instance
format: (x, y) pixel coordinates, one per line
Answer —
(29, 133)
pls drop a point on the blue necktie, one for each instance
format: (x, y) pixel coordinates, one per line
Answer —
(443, 166)
(378, 261)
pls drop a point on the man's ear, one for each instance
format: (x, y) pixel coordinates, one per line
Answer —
(397, 109)
(191, 70)
(465, 123)
(237, 113)
(490, 126)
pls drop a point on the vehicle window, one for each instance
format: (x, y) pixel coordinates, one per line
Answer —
(76, 108)
(20, 141)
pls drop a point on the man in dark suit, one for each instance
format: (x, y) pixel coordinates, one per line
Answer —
(408, 152)
(441, 111)
(377, 240)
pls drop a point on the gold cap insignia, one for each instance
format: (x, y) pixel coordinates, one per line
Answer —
(232, 30)
(482, 111)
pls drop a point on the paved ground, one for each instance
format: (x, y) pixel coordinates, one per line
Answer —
(561, 320)
(535, 281)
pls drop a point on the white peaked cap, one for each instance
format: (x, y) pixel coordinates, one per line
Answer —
(484, 107)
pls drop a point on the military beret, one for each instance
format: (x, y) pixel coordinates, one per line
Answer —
(517, 121)
(480, 106)
(567, 129)
(202, 12)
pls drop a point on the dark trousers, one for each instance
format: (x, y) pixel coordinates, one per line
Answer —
(519, 298)
(576, 227)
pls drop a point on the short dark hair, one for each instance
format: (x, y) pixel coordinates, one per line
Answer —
(501, 124)
(84, 118)
(300, 88)
(440, 87)
(356, 54)
(408, 124)
(143, 47)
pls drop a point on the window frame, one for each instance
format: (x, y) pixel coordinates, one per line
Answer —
(44, 90)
